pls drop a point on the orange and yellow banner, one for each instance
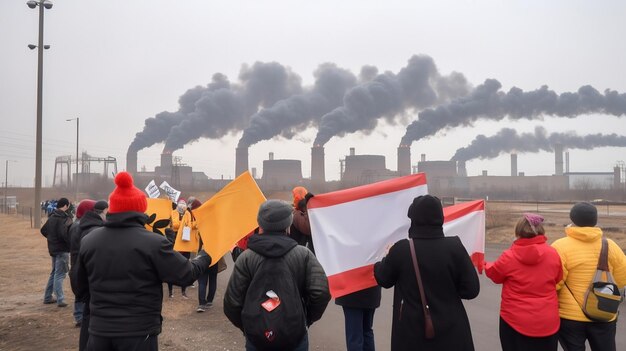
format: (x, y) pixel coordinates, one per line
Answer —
(159, 213)
(229, 215)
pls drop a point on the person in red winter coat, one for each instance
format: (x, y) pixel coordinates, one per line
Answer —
(529, 272)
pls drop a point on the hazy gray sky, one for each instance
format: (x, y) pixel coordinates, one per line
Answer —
(115, 63)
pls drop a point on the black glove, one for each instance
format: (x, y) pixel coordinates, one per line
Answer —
(308, 196)
(203, 259)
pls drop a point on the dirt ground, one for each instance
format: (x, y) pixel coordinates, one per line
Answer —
(27, 324)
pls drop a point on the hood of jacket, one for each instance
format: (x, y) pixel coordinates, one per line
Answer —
(59, 213)
(526, 250)
(271, 244)
(586, 234)
(126, 219)
(426, 216)
(90, 219)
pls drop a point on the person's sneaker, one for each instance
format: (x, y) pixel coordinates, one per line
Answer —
(62, 304)
(171, 296)
(200, 309)
(208, 304)
(50, 302)
(185, 296)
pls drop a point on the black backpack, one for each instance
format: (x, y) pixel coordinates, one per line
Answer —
(283, 327)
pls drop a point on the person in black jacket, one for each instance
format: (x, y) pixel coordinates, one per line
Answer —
(274, 218)
(56, 231)
(447, 275)
(122, 267)
(90, 220)
(84, 206)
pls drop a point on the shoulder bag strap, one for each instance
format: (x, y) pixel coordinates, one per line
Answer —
(603, 261)
(429, 329)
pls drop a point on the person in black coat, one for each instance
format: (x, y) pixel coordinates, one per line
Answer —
(56, 231)
(447, 275)
(90, 220)
(122, 267)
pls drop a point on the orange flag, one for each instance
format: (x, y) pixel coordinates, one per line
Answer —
(229, 215)
(159, 213)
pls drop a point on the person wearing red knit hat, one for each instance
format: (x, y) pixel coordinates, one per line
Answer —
(122, 267)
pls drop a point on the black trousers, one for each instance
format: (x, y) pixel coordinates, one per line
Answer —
(511, 340)
(136, 343)
(601, 335)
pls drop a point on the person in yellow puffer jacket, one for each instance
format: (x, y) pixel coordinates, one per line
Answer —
(579, 252)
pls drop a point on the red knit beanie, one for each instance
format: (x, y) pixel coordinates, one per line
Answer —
(84, 207)
(126, 197)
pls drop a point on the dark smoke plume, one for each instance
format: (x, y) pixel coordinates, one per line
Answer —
(388, 95)
(488, 102)
(292, 115)
(220, 107)
(507, 140)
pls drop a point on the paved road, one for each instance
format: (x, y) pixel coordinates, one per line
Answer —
(483, 312)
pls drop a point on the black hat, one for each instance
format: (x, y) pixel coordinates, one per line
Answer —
(63, 202)
(584, 214)
(426, 210)
(101, 205)
(275, 215)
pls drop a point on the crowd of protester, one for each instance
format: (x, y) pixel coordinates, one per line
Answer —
(117, 269)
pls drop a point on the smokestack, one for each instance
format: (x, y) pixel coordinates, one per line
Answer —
(271, 157)
(617, 179)
(484, 172)
(166, 160)
(404, 160)
(566, 161)
(558, 159)
(352, 151)
(318, 174)
(513, 165)
(423, 158)
(241, 160)
(131, 162)
(461, 170)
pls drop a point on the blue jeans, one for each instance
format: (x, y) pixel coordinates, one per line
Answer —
(304, 345)
(60, 267)
(359, 332)
(78, 311)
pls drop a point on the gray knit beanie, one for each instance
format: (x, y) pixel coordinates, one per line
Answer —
(584, 214)
(275, 215)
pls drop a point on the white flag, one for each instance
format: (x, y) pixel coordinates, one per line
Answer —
(172, 193)
(152, 190)
(352, 228)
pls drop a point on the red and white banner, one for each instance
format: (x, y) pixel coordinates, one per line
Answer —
(352, 228)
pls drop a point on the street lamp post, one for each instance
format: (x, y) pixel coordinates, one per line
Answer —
(43, 4)
(76, 177)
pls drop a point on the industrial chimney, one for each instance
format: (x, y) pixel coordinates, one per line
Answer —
(566, 161)
(271, 156)
(558, 159)
(241, 160)
(166, 160)
(617, 181)
(513, 165)
(404, 160)
(423, 158)
(318, 174)
(131, 162)
(461, 171)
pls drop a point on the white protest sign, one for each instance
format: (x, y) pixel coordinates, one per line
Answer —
(172, 193)
(152, 190)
